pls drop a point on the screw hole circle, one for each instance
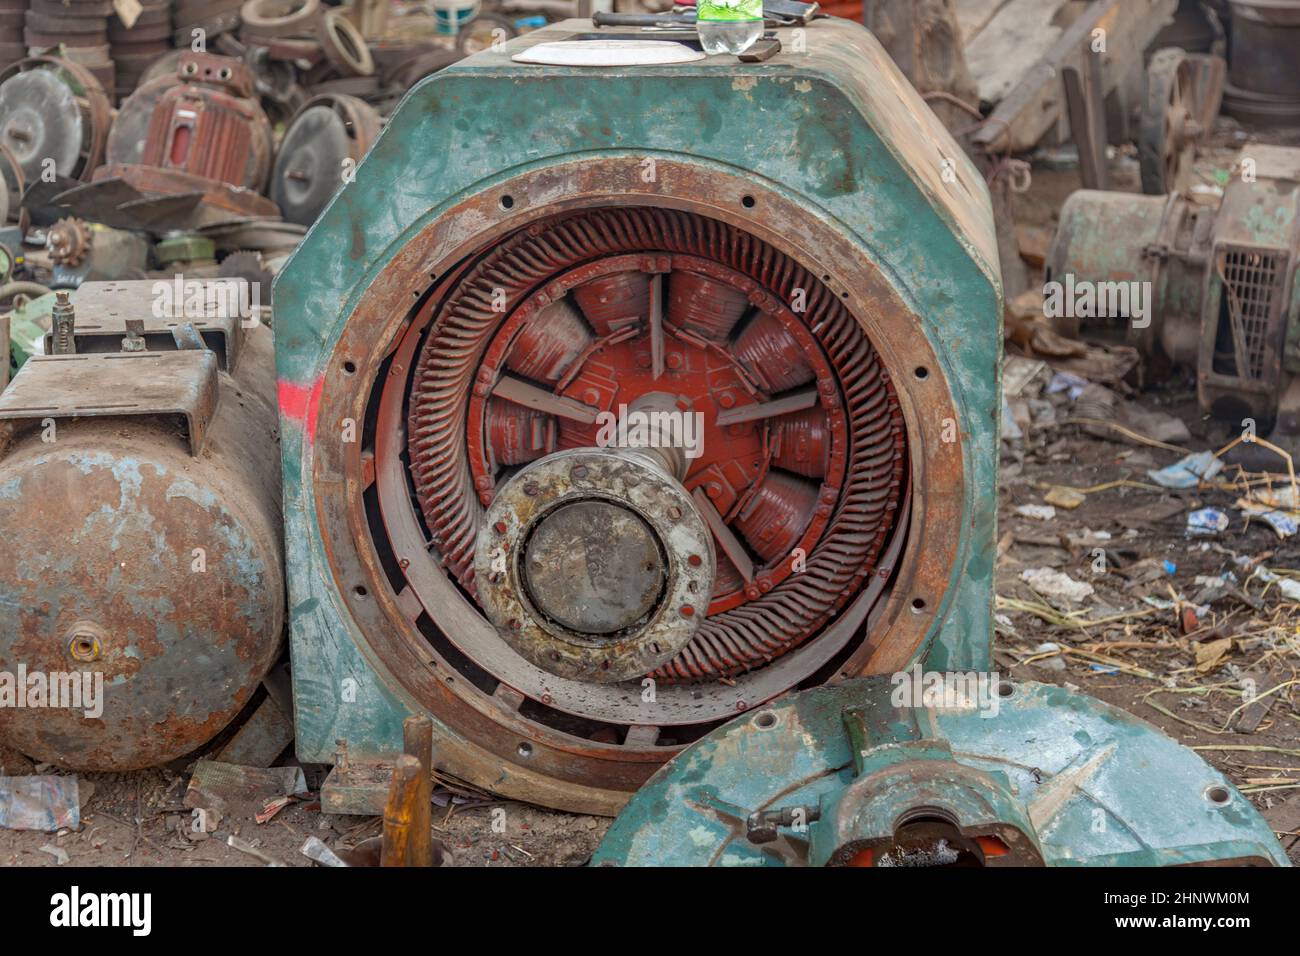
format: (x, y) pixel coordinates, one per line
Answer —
(350, 368)
(1218, 795)
(525, 750)
(922, 373)
(918, 604)
(765, 720)
(507, 202)
(360, 590)
(748, 202)
(1006, 689)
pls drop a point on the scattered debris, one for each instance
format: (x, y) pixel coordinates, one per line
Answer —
(1052, 583)
(1188, 472)
(40, 802)
(316, 850)
(1207, 521)
(60, 855)
(1037, 512)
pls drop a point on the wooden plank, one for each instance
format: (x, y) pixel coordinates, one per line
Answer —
(1037, 102)
(1017, 37)
(974, 15)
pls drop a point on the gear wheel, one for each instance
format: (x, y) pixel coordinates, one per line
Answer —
(68, 242)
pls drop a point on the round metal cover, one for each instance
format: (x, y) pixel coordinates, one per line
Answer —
(594, 566)
(609, 53)
(126, 138)
(308, 168)
(39, 119)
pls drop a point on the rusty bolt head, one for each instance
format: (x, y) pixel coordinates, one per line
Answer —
(85, 642)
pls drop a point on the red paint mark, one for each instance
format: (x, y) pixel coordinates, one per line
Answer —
(301, 403)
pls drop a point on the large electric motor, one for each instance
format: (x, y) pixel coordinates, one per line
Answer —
(1210, 289)
(142, 569)
(607, 420)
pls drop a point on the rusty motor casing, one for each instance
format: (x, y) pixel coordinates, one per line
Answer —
(1217, 286)
(139, 502)
(769, 257)
(210, 124)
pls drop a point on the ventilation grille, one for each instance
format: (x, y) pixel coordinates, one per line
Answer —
(1251, 281)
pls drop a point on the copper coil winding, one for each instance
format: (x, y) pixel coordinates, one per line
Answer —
(865, 509)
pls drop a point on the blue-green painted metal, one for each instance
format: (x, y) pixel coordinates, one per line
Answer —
(1065, 779)
(831, 127)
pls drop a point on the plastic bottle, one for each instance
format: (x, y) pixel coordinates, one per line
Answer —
(728, 26)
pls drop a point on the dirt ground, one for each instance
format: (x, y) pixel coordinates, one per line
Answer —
(1163, 635)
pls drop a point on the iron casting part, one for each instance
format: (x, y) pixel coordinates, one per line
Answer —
(363, 580)
(587, 602)
(861, 774)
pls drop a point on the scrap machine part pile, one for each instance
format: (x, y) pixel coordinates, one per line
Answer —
(1224, 297)
(582, 463)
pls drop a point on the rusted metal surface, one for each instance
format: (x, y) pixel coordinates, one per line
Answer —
(1184, 92)
(1220, 282)
(210, 124)
(774, 353)
(1265, 39)
(909, 256)
(69, 387)
(594, 564)
(103, 309)
(201, 202)
(1016, 774)
(586, 767)
(131, 559)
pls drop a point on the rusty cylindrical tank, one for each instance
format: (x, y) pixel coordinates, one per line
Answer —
(127, 556)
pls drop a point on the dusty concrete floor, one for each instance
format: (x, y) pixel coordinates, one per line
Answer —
(1145, 663)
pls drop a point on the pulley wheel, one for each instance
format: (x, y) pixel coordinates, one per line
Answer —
(52, 108)
(327, 132)
(1184, 92)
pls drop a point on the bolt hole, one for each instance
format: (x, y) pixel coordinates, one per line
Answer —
(525, 750)
(1006, 689)
(765, 720)
(922, 373)
(1218, 795)
(360, 590)
(747, 202)
(918, 604)
(350, 368)
(507, 202)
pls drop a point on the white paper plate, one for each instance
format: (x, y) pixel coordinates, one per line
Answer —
(609, 53)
